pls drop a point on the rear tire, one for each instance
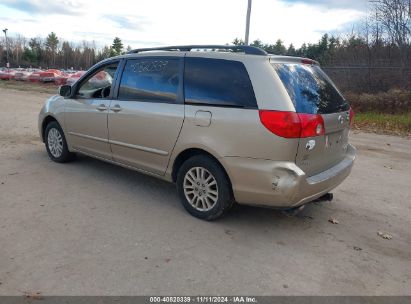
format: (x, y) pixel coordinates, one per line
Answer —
(56, 144)
(204, 188)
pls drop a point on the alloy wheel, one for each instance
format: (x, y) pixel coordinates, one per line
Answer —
(200, 188)
(55, 142)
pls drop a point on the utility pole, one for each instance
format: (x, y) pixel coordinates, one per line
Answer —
(7, 48)
(247, 25)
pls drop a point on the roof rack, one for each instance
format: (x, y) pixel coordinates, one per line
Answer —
(249, 50)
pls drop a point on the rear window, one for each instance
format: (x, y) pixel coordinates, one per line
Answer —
(310, 89)
(218, 82)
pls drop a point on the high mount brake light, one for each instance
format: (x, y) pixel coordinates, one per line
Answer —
(291, 124)
(308, 61)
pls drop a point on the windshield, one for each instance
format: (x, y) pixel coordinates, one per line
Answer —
(310, 89)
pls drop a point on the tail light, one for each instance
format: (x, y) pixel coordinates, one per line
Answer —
(311, 125)
(352, 114)
(291, 124)
(284, 124)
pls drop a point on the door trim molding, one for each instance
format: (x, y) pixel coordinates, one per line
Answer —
(119, 143)
(89, 137)
(137, 147)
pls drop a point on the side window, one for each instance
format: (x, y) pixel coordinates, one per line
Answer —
(218, 82)
(99, 84)
(150, 79)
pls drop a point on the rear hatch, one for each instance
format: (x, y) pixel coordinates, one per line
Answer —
(313, 93)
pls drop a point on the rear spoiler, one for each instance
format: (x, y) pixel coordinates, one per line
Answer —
(290, 59)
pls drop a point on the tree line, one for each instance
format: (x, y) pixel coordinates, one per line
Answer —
(53, 52)
(376, 55)
(383, 38)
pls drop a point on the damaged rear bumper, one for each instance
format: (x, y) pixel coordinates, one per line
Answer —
(282, 184)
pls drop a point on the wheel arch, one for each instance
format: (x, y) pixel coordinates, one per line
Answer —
(190, 152)
(49, 118)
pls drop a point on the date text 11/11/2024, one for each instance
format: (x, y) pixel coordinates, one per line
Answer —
(203, 299)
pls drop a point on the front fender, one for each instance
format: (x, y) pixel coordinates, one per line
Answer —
(52, 109)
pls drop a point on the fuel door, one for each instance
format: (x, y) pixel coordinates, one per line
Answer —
(202, 118)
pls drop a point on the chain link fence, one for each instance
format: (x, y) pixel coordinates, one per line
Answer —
(368, 79)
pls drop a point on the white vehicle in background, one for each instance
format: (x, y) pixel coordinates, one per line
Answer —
(74, 77)
(22, 75)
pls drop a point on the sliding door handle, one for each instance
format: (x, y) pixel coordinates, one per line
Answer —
(116, 108)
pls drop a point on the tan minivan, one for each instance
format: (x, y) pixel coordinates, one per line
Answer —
(225, 123)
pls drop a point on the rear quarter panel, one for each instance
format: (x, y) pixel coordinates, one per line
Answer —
(233, 133)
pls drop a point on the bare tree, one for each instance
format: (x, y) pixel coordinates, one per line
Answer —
(394, 16)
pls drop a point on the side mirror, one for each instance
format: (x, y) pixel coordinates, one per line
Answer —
(65, 90)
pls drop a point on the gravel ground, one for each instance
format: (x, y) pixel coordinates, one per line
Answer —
(91, 228)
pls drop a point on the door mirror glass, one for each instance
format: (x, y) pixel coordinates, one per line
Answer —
(65, 90)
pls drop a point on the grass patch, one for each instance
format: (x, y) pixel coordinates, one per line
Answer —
(48, 88)
(398, 124)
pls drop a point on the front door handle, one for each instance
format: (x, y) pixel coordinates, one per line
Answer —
(116, 108)
(102, 107)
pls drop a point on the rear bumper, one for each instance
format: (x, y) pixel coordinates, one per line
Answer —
(282, 184)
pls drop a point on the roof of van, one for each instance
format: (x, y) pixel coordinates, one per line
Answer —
(240, 52)
(249, 50)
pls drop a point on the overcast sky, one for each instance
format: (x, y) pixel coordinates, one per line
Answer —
(160, 22)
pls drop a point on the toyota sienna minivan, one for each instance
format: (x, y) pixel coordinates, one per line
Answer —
(224, 123)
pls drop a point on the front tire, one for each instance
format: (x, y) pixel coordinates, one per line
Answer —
(56, 144)
(204, 188)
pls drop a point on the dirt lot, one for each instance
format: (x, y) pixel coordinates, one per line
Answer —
(91, 228)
